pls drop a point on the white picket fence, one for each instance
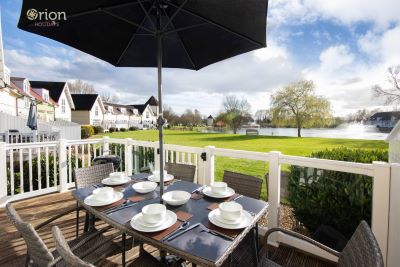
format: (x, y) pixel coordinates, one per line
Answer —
(58, 159)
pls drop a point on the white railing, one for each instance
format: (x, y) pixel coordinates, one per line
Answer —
(21, 177)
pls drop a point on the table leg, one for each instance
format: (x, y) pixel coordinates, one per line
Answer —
(163, 259)
(77, 219)
(257, 241)
(255, 248)
(123, 249)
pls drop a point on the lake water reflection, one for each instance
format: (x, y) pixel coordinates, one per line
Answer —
(353, 131)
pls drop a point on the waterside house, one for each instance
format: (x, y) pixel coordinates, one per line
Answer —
(89, 109)
(384, 121)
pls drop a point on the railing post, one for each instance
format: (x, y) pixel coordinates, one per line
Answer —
(393, 256)
(157, 157)
(380, 205)
(274, 189)
(63, 165)
(206, 168)
(106, 146)
(3, 173)
(128, 156)
(136, 158)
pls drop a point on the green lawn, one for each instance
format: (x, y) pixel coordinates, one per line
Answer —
(287, 145)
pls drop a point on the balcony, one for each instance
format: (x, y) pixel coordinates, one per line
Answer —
(43, 189)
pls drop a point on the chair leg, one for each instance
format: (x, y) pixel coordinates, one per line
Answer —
(255, 248)
(27, 260)
(77, 219)
(86, 226)
(123, 249)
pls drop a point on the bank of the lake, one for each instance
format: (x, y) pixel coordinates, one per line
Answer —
(287, 145)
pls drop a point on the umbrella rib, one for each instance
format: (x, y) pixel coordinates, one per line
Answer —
(174, 15)
(218, 25)
(134, 36)
(127, 21)
(147, 13)
(186, 28)
(90, 11)
(183, 44)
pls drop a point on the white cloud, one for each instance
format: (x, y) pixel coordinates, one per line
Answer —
(335, 58)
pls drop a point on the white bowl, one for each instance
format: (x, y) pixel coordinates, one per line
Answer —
(154, 213)
(157, 174)
(103, 193)
(117, 176)
(176, 198)
(230, 211)
(219, 187)
(144, 187)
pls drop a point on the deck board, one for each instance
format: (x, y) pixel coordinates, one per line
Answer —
(38, 209)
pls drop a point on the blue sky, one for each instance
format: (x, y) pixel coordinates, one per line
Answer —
(344, 46)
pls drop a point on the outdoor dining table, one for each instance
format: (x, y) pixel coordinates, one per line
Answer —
(196, 246)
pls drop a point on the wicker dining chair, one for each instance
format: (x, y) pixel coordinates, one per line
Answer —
(88, 176)
(183, 172)
(71, 259)
(243, 184)
(93, 246)
(361, 250)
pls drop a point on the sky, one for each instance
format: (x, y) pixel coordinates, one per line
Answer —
(344, 46)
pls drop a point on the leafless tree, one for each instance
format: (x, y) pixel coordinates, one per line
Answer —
(81, 87)
(110, 98)
(236, 112)
(391, 94)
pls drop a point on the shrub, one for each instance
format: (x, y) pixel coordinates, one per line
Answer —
(340, 200)
(87, 131)
(111, 129)
(122, 129)
(98, 129)
(133, 128)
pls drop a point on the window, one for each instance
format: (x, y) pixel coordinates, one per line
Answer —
(96, 111)
(46, 97)
(26, 86)
(63, 106)
(147, 115)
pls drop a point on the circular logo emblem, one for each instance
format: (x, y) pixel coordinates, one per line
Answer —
(32, 14)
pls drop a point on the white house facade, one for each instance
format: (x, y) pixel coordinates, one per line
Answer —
(89, 109)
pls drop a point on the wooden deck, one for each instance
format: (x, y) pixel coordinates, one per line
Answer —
(36, 210)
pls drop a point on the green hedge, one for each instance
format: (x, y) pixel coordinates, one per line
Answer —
(340, 200)
(98, 129)
(87, 131)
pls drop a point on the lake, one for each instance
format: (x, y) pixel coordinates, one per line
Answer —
(353, 131)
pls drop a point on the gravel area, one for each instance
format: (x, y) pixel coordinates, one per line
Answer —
(287, 220)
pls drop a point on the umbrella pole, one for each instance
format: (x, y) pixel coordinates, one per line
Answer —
(160, 107)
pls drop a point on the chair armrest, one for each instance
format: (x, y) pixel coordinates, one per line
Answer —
(301, 237)
(66, 212)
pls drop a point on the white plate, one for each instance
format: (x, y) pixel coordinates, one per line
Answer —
(138, 224)
(245, 220)
(145, 224)
(108, 181)
(96, 203)
(167, 178)
(228, 193)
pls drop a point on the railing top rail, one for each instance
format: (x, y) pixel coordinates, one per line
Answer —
(243, 154)
(31, 145)
(87, 141)
(326, 164)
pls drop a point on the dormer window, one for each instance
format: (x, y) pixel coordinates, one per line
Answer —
(63, 106)
(46, 96)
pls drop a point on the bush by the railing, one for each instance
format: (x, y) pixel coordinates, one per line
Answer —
(98, 129)
(111, 129)
(122, 129)
(35, 176)
(87, 131)
(133, 128)
(340, 200)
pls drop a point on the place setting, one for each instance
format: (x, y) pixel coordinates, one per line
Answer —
(218, 190)
(155, 177)
(116, 178)
(230, 215)
(103, 196)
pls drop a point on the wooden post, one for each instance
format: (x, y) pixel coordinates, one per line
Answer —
(128, 157)
(63, 165)
(380, 205)
(3, 174)
(274, 190)
(106, 146)
(393, 256)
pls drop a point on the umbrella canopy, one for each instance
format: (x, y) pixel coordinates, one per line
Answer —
(195, 33)
(32, 117)
(189, 34)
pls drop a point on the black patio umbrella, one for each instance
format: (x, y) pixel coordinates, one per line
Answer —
(32, 116)
(188, 34)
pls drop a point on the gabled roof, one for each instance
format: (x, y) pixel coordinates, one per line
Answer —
(140, 108)
(55, 88)
(210, 117)
(84, 101)
(18, 89)
(40, 98)
(152, 101)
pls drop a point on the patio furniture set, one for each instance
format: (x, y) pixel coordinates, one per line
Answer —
(194, 232)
